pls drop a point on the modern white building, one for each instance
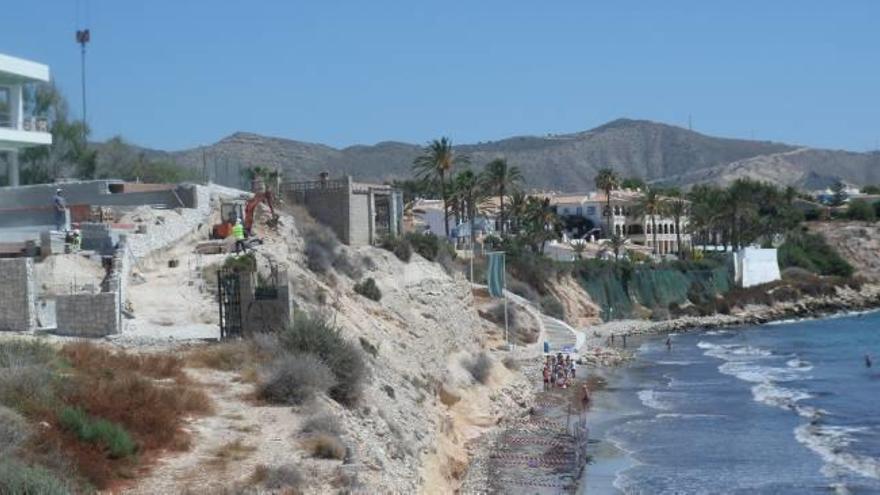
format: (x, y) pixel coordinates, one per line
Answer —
(19, 128)
(756, 266)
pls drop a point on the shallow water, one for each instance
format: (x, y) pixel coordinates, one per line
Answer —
(786, 408)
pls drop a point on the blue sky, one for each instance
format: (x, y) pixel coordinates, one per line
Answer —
(174, 73)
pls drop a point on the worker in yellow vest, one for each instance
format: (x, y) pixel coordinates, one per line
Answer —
(238, 235)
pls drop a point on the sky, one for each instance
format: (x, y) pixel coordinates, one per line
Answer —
(174, 74)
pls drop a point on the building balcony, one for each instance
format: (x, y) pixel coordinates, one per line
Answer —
(32, 132)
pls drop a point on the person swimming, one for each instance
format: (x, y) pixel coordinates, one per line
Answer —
(868, 362)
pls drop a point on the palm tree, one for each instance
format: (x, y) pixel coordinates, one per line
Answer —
(516, 210)
(706, 211)
(540, 222)
(617, 242)
(470, 195)
(438, 159)
(501, 177)
(578, 248)
(677, 207)
(651, 205)
(607, 181)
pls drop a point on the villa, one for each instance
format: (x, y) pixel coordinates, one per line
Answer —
(19, 128)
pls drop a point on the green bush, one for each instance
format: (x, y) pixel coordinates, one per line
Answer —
(315, 335)
(400, 246)
(27, 380)
(13, 431)
(368, 289)
(859, 209)
(429, 246)
(551, 306)
(244, 263)
(98, 430)
(321, 245)
(811, 252)
(17, 478)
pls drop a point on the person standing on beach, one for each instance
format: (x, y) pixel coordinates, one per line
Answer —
(668, 343)
(585, 396)
(624, 340)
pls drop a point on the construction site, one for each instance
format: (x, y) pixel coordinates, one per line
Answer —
(158, 272)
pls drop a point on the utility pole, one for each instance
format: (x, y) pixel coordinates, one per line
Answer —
(83, 37)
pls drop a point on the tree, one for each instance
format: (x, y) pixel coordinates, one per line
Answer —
(651, 204)
(501, 178)
(69, 154)
(838, 191)
(438, 160)
(633, 183)
(517, 209)
(706, 210)
(859, 209)
(677, 207)
(469, 194)
(607, 181)
(578, 248)
(540, 223)
(617, 242)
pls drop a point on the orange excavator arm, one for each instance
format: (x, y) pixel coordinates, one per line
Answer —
(251, 206)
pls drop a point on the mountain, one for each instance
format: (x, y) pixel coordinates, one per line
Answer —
(653, 151)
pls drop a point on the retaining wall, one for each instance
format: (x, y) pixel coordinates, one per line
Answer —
(88, 315)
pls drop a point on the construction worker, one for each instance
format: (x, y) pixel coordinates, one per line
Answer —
(59, 205)
(238, 235)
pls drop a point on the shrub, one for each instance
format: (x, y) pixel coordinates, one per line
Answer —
(510, 363)
(368, 289)
(324, 446)
(399, 246)
(552, 307)
(246, 263)
(27, 382)
(320, 248)
(429, 246)
(13, 431)
(321, 423)
(86, 354)
(279, 478)
(522, 289)
(17, 478)
(295, 379)
(369, 347)
(859, 209)
(315, 335)
(659, 313)
(811, 252)
(479, 366)
(113, 437)
(223, 356)
(18, 353)
(344, 265)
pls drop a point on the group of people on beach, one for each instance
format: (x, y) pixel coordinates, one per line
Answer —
(559, 371)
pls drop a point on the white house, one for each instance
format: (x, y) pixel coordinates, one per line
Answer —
(19, 129)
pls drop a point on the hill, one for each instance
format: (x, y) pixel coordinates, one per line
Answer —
(567, 162)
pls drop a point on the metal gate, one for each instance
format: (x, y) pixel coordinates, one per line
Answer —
(229, 298)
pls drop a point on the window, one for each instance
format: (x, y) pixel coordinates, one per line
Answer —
(580, 211)
(591, 210)
(5, 114)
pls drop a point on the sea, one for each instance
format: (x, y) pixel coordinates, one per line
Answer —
(784, 408)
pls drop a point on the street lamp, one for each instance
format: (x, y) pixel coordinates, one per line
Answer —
(83, 37)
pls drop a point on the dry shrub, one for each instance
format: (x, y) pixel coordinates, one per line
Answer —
(295, 379)
(511, 363)
(479, 366)
(159, 366)
(321, 423)
(17, 478)
(14, 430)
(324, 446)
(223, 356)
(279, 478)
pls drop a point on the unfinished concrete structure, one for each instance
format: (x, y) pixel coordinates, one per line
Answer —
(18, 129)
(250, 304)
(359, 213)
(17, 295)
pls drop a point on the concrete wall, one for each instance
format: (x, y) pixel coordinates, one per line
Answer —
(329, 207)
(88, 315)
(756, 266)
(261, 314)
(17, 294)
(359, 220)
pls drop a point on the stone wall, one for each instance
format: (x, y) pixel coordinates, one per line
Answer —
(88, 315)
(359, 220)
(17, 294)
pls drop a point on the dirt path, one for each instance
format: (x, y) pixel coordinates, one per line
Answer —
(227, 446)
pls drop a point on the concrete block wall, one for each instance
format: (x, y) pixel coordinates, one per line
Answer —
(88, 315)
(17, 295)
(359, 220)
(98, 237)
(330, 207)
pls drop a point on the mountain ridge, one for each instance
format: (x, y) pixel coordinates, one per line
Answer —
(656, 152)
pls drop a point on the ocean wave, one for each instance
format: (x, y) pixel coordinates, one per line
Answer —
(688, 416)
(830, 443)
(730, 352)
(654, 400)
(750, 372)
(675, 363)
(774, 395)
(800, 364)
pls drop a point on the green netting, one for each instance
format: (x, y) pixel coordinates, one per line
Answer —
(617, 291)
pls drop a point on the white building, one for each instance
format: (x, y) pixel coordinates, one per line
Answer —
(18, 128)
(756, 266)
(624, 220)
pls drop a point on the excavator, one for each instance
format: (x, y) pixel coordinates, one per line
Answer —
(230, 211)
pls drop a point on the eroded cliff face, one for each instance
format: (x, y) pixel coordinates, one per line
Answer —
(421, 406)
(580, 310)
(857, 242)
